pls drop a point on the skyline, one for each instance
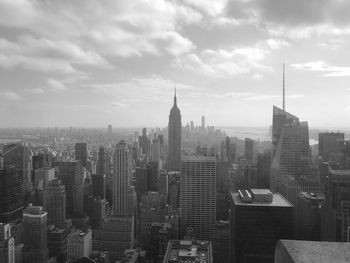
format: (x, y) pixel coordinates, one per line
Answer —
(90, 64)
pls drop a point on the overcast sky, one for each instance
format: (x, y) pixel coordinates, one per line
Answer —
(90, 63)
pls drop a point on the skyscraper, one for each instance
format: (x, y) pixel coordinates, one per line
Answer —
(144, 142)
(81, 152)
(7, 244)
(155, 150)
(11, 194)
(203, 124)
(258, 220)
(121, 178)
(35, 234)
(290, 168)
(330, 143)
(198, 195)
(249, 149)
(55, 202)
(174, 137)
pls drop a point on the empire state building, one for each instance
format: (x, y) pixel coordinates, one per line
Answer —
(174, 136)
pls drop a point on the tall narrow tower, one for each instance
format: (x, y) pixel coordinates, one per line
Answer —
(174, 136)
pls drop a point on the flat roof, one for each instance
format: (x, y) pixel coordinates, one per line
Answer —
(314, 251)
(278, 201)
(189, 251)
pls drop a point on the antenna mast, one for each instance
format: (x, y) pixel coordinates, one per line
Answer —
(284, 90)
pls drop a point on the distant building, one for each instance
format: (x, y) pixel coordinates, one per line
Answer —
(198, 195)
(264, 169)
(188, 251)
(258, 220)
(174, 137)
(41, 160)
(35, 234)
(141, 184)
(155, 150)
(144, 143)
(79, 244)
(98, 185)
(55, 202)
(330, 143)
(249, 149)
(121, 178)
(250, 178)
(81, 153)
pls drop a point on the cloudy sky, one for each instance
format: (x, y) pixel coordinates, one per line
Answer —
(90, 63)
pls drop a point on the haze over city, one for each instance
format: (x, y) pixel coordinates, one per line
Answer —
(89, 63)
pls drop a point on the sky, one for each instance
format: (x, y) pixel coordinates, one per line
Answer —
(89, 63)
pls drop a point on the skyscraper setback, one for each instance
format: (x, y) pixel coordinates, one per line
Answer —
(174, 137)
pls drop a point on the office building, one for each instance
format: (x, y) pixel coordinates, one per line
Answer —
(258, 220)
(264, 169)
(121, 178)
(153, 174)
(35, 234)
(18, 155)
(221, 241)
(96, 211)
(163, 185)
(160, 234)
(141, 184)
(174, 138)
(79, 244)
(250, 177)
(57, 241)
(55, 202)
(330, 143)
(155, 150)
(11, 194)
(309, 216)
(198, 195)
(144, 143)
(72, 176)
(188, 251)
(81, 153)
(115, 234)
(7, 244)
(249, 149)
(337, 206)
(98, 185)
(41, 160)
(174, 189)
(203, 124)
(42, 176)
(290, 168)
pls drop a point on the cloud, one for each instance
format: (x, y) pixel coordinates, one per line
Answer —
(209, 7)
(118, 104)
(258, 76)
(10, 95)
(56, 85)
(253, 96)
(36, 91)
(321, 66)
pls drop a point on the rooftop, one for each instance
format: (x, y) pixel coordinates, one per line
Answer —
(311, 251)
(181, 251)
(277, 201)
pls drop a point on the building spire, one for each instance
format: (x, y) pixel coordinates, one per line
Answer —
(175, 102)
(284, 89)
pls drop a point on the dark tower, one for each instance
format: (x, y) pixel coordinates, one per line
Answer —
(174, 137)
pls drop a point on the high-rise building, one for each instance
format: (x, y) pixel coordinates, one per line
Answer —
(72, 176)
(290, 168)
(163, 185)
(57, 242)
(110, 131)
(11, 194)
(258, 220)
(309, 216)
(198, 195)
(203, 124)
(264, 169)
(42, 176)
(144, 143)
(330, 143)
(102, 161)
(41, 160)
(7, 244)
(55, 202)
(250, 177)
(141, 184)
(155, 150)
(35, 234)
(99, 185)
(337, 206)
(79, 244)
(249, 149)
(221, 241)
(174, 137)
(81, 153)
(188, 251)
(174, 189)
(153, 175)
(19, 155)
(121, 178)
(115, 234)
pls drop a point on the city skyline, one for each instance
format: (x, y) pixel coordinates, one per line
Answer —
(88, 64)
